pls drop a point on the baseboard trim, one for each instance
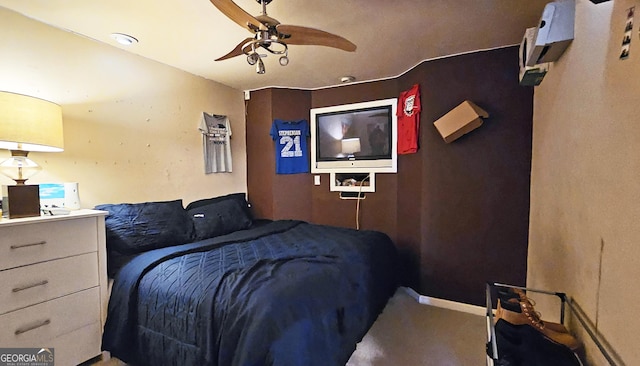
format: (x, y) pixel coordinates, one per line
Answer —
(445, 304)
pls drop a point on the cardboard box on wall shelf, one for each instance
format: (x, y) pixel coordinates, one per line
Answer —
(462, 119)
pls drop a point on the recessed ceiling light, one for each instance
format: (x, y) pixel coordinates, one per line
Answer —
(124, 39)
(348, 79)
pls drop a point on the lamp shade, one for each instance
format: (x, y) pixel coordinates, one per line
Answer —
(351, 145)
(30, 124)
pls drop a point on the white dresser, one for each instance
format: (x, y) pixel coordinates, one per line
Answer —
(53, 284)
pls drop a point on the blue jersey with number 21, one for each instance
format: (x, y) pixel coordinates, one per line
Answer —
(292, 154)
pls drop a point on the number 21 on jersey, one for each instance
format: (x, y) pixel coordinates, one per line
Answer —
(291, 146)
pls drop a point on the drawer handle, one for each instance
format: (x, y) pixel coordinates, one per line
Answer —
(32, 327)
(18, 246)
(26, 287)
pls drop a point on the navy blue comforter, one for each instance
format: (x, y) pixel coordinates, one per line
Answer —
(285, 293)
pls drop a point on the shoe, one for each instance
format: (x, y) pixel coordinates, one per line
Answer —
(510, 300)
(522, 345)
(528, 316)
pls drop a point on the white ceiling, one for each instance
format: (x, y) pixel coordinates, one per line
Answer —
(392, 35)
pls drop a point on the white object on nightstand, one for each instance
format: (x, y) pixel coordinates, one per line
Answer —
(53, 284)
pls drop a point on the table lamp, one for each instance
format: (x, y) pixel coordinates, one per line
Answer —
(26, 124)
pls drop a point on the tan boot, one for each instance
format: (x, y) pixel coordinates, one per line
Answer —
(556, 327)
(514, 304)
(530, 317)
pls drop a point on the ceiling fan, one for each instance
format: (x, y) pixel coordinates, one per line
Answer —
(272, 36)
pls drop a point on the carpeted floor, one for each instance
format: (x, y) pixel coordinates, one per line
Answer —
(408, 333)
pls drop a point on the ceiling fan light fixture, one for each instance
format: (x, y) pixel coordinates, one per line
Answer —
(260, 67)
(252, 58)
(124, 39)
(272, 36)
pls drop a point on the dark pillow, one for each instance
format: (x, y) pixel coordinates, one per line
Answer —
(219, 217)
(138, 227)
(240, 198)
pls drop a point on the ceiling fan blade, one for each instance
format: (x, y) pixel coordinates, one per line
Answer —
(236, 51)
(235, 13)
(294, 34)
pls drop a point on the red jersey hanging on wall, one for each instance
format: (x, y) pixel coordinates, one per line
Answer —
(409, 120)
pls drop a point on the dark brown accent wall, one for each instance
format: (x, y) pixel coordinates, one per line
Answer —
(275, 196)
(458, 213)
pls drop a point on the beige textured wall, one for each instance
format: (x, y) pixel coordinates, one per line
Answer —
(585, 191)
(130, 124)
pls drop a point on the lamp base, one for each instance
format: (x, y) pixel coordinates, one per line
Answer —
(21, 201)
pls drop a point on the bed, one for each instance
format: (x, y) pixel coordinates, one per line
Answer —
(212, 286)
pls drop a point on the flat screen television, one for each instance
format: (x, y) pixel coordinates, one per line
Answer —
(352, 138)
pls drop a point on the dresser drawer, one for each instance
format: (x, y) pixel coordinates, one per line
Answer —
(28, 285)
(78, 346)
(39, 325)
(41, 241)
